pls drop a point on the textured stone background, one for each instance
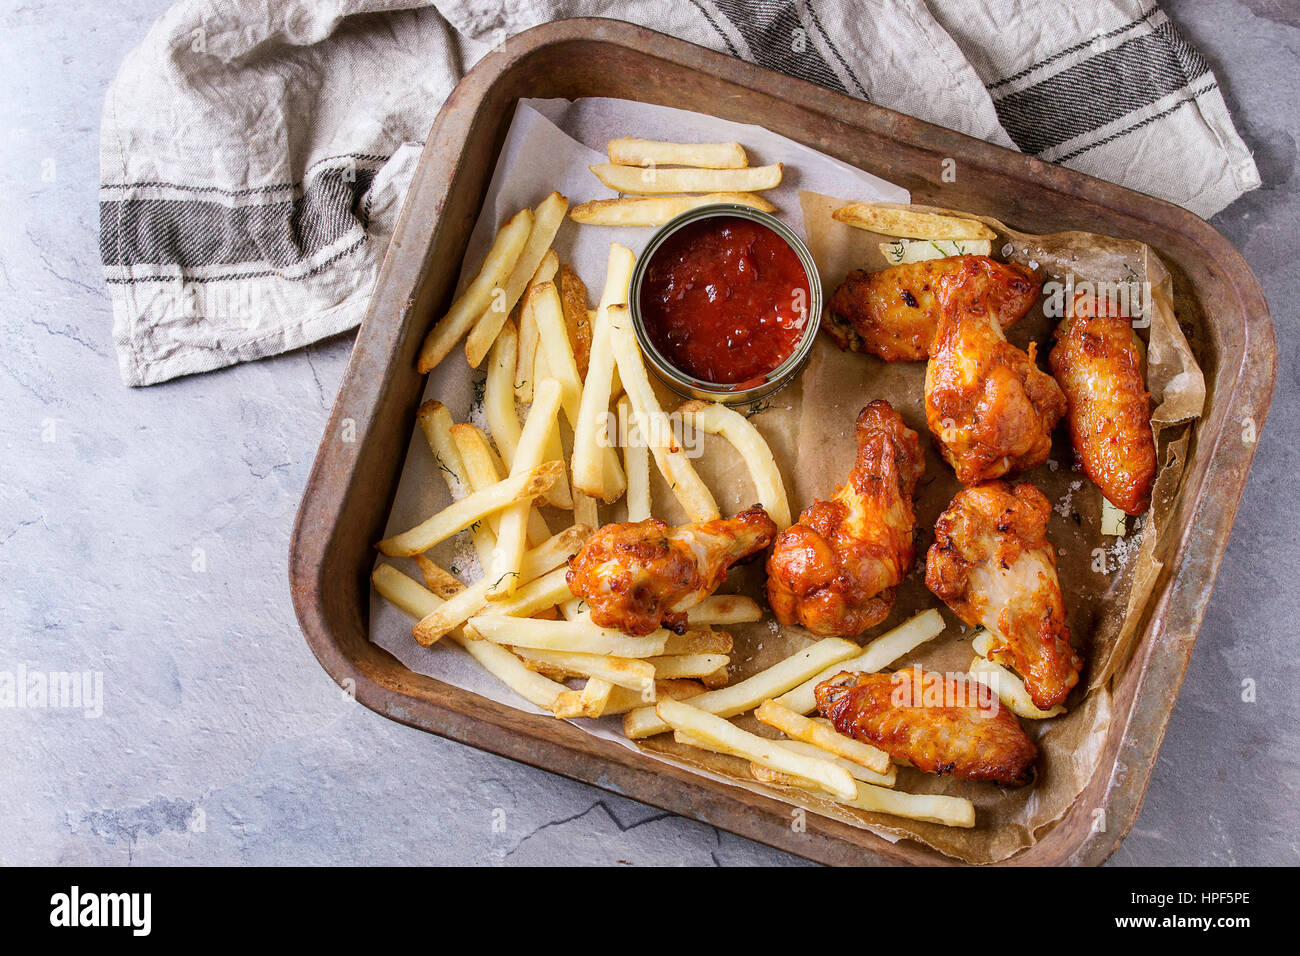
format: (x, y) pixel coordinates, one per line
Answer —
(223, 741)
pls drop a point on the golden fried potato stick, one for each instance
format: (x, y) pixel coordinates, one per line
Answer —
(620, 671)
(654, 180)
(457, 517)
(892, 220)
(656, 210)
(800, 727)
(709, 731)
(573, 300)
(880, 653)
(654, 425)
(749, 693)
(580, 636)
(442, 583)
(631, 151)
(554, 345)
(435, 422)
(688, 665)
(543, 418)
(724, 609)
(547, 218)
(636, 463)
(542, 559)
(717, 419)
(859, 772)
(417, 601)
(479, 294)
(484, 470)
(590, 435)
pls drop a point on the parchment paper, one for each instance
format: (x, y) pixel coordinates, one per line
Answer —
(810, 428)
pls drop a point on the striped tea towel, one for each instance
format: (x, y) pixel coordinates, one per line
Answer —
(254, 155)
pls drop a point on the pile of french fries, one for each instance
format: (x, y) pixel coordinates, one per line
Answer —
(553, 359)
(659, 181)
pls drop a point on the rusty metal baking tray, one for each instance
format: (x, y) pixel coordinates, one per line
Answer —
(352, 482)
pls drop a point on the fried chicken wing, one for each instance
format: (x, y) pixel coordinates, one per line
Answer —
(1098, 364)
(894, 313)
(989, 406)
(938, 723)
(641, 575)
(835, 571)
(992, 564)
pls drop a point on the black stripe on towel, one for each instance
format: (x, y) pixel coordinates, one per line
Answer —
(194, 233)
(1100, 90)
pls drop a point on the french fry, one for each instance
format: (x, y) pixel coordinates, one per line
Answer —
(585, 510)
(636, 464)
(524, 486)
(688, 665)
(547, 218)
(435, 422)
(718, 419)
(553, 342)
(892, 219)
(442, 583)
(881, 652)
(536, 595)
(656, 210)
(698, 641)
(526, 361)
(900, 251)
(589, 431)
(749, 693)
(591, 701)
(859, 772)
(724, 609)
(479, 294)
(654, 425)
(622, 699)
(484, 470)
(509, 551)
(419, 602)
(547, 269)
(800, 727)
(932, 808)
(1010, 690)
(653, 180)
(539, 561)
(630, 151)
(579, 636)
(499, 393)
(719, 678)
(573, 301)
(718, 733)
(621, 671)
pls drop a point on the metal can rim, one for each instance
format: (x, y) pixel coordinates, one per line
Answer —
(687, 385)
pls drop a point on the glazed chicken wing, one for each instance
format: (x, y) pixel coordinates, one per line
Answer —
(835, 571)
(989, 406)
(938, 723)
(992, 564)
(894, 313)
(641, 575)
(1099, 366)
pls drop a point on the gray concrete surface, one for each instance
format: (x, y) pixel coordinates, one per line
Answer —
(143, 536)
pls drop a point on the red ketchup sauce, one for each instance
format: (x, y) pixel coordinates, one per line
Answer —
(725, 300)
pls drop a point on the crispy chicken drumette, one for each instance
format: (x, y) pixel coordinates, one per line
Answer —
(989, 406)
(836, 569)
(1098, 363)
(640, 575)
(938, 723)
(894, 313)
(992, 564)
